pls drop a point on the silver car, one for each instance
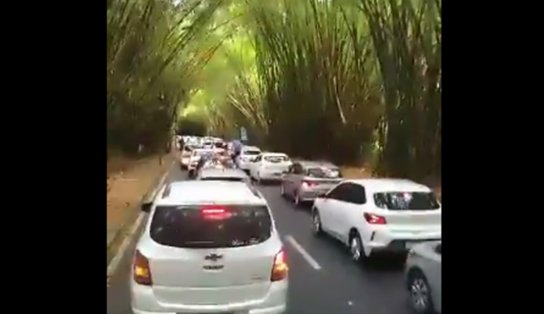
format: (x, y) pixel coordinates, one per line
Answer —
(223, 174)
(424, 277)
(209, 247)
(306, 180)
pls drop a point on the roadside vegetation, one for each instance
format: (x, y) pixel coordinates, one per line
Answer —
(347, 80)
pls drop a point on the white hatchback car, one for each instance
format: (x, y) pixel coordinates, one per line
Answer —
(378, 215)
(247, 155)
(209, 247)
(269, 166)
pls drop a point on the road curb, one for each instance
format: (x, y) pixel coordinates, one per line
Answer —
(134, 227)
(119, 232)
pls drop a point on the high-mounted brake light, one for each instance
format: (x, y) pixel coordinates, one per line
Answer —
(141, 270)
(215, 213)
(280, 268)
(374, 219)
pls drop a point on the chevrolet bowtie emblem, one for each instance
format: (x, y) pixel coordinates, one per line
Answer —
(213, 257)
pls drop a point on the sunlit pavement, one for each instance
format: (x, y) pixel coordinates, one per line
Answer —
(323, 279)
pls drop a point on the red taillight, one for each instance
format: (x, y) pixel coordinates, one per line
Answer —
(375, 219)
(215, 213)
(141, 270)
(280, 268)
(309, 184)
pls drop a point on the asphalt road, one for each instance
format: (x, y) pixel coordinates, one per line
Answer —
(337, 286)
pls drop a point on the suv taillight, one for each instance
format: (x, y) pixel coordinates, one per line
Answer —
(309, 184)
(141, 270)
(375, 219)
(280, 268)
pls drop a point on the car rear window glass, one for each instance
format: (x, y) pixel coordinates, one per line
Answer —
(406, 200)
(231, 179)
(276, 158)
(251, 152)
(323, 172)
(188, 227)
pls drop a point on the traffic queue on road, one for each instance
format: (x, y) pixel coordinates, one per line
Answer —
(211, 245)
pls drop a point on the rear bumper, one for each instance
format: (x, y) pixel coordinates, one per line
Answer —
(143, 301)
(270, 310)
(308, 195)
(398, 242)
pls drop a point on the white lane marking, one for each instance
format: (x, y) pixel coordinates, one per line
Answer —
(116, 260)
(303, 252)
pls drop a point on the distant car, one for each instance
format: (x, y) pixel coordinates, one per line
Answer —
(269, 167)
(209, 247)
(247, 155)
(185, 156)
(223, 174)
(424, 277)
(305, 180)
(194, 160)
(372, 216)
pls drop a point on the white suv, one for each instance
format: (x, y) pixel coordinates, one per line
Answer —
(378, 215)
(246, 157)
(209, 247)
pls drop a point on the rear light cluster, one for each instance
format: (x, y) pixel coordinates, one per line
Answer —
(374, 219)
(141, 270)
(309, 184)
(280, 267)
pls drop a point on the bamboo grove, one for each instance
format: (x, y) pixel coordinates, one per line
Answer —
(339, 79)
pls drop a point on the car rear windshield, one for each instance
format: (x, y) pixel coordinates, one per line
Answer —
(252, 152)
(231, 179)
(276, 158)
(323, 172)
(189, 227)
(202, 153)
(406, 200)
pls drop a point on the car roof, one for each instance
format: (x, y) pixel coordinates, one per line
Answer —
(210, 192)
(316, 163)
(377, 185)
(273, 154)
(222, 173)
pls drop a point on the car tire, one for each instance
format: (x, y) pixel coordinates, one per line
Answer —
(357, 249)
(420, 297)
(316, 223)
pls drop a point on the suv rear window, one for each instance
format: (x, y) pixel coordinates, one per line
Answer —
(276, 158)
(251, 152)
(323, 172)
(187, 227)
(231, 179)
(406, 200)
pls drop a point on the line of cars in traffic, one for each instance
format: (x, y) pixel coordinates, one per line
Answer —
(212, 229)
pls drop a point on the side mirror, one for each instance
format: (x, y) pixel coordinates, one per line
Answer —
(146, 207)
